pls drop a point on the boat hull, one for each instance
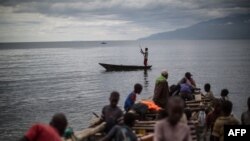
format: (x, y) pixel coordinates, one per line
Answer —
(112, 67)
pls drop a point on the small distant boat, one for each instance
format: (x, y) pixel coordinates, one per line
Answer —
(103, 43)
(112, 67)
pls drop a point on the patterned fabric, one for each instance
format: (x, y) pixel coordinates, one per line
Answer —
(193, 131)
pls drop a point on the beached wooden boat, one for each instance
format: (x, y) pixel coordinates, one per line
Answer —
(112, 67)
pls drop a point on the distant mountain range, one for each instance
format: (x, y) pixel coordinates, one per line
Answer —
(232, 27)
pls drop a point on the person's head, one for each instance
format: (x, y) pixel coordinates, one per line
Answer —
(224, 92)
(188, 75)
(175, 109)
(59, 122)
(248, 103)
(146, 49)
(207, 87)
(114, 98)
(129, 119)
(227, 107)
(188, 113)
(164, 73)
(137, 88)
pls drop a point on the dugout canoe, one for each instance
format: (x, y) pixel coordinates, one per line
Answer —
(113, 67)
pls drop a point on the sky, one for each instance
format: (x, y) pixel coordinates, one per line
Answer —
(90, 20)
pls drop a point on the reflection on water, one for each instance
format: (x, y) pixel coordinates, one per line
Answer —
(146, 79)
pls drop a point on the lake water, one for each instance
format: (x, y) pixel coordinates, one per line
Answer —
(40, 79)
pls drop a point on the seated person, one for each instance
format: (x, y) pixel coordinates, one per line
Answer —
(130, 101)
(189, 80)
(174, 90)
(225, 119)
(209, 94)
(186, 91)
(111, 113)
(245, 117)
(122, 132)
(212, 116)
(224, 94)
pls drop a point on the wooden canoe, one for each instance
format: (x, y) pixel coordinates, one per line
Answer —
(144, 129)
(112, 67)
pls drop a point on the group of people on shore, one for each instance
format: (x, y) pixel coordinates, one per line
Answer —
(176, 124)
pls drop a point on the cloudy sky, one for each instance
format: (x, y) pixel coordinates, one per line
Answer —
(81, 20)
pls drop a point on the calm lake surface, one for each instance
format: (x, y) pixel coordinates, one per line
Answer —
(40, 79)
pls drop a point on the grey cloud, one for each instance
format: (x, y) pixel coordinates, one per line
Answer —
(158, 15)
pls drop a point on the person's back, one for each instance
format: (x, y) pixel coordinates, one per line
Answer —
(161, 91)
(225, 119)
(212, 116)
(186, 91)
(245, 117)
(209, 94)
(170, 128)
(218, 129)
(179, 132)
(224, 95)
(43, 132)
(130, 100)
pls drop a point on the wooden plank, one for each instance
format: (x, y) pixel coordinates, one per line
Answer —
(143, 128)
(149, 137)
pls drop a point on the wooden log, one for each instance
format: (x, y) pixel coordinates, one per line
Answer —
(81, 135)
(197, 101)
(144, 125)
(90, 131)
(149, 137)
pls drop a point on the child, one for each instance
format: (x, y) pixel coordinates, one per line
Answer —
(111, 113)
(224, 94)
(122, 132)
(130, 101)
(209, 94)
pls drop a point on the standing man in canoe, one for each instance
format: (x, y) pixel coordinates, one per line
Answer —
(145, 54)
